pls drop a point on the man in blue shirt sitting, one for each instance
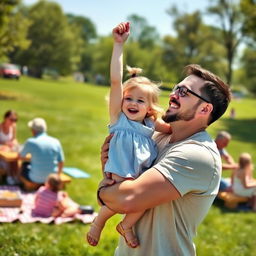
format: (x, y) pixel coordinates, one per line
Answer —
(46, 155)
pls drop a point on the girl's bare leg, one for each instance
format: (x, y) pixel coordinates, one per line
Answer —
(93, 236)
(125, 228)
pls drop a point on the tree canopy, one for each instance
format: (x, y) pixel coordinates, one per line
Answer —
(43, 37)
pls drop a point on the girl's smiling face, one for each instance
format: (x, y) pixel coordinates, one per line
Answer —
(135, 104)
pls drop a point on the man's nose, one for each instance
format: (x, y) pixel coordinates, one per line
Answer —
(174, 94)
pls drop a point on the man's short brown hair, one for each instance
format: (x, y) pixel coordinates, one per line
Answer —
(214, 89)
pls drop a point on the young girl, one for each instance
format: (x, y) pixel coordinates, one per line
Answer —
(50, 201)
(243, 182)
(133, 109)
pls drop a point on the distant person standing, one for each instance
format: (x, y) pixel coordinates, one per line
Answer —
(25, 70)
(232, 113)
(46, 154)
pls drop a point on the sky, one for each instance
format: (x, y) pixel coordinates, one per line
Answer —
(105, 14)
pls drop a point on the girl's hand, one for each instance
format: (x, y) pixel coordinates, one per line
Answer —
(121, 32)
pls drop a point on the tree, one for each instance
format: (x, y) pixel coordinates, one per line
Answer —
(248, 8)
(230, 20)
(193, 43)
(101, 58)
(141, 32)
(249, 67)
(13, 28)
(54, 43)
(86, 26)
(88, 34)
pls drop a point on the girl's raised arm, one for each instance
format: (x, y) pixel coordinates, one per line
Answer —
(120, 34)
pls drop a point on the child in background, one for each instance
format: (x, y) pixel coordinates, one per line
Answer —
(134, 111)
(51, 201)
(243, 183)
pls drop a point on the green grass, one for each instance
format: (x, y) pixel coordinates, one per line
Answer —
(77, 114)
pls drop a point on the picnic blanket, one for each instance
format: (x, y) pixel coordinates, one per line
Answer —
(75, 172)
(24, 213)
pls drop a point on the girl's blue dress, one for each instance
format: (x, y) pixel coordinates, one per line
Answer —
(132, 150)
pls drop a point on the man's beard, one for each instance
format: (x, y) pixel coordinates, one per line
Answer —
(169, 118)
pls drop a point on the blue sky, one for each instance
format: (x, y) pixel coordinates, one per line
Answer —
(105, 14)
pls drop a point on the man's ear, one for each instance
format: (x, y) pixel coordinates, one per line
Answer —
(206, 109)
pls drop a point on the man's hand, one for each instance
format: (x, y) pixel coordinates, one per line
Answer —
(121, 32)
(104, 183)
(104, 150)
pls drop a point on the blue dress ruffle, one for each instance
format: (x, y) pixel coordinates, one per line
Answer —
(132, 150)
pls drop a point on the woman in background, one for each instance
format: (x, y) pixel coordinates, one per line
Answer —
(8, 140)
(244, 184)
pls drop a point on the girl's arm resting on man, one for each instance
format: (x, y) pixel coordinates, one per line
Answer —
(147, 191)
(162, 126)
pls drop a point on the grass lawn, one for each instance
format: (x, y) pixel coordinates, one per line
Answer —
(77, 114)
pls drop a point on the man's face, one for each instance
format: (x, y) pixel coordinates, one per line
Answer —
(223, 143)
(184, 106)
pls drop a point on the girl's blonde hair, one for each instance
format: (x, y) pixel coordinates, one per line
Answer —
(245, 159)
(150, 87)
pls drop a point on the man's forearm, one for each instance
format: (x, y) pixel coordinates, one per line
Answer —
(113, 197)
(60, 167)
(147, 191)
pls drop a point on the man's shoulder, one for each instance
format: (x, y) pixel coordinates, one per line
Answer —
(50, 138)
(199, 145)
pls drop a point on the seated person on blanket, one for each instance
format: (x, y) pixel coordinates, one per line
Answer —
(50, 201)
(47, 155)
(243, 182)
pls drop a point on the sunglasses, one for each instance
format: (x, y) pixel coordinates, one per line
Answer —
(183, 91)
(14, 119)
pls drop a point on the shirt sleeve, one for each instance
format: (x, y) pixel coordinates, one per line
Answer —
(190, 167)
(27, 148)
(61, 156)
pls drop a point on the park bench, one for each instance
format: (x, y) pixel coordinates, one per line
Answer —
(30, 186)
(231, 200)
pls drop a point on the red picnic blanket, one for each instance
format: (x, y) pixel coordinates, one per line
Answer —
(24, 212)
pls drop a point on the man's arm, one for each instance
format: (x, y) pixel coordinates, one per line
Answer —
(147, 191)
(230, 163)
(60, 167)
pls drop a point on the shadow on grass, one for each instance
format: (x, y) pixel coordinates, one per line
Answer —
(241, 129)
(7, 96)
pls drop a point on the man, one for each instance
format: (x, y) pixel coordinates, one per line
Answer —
(46, 154)
(222, 140)
(177, 192)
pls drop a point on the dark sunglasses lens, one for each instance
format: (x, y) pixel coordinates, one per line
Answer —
(182, 91)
